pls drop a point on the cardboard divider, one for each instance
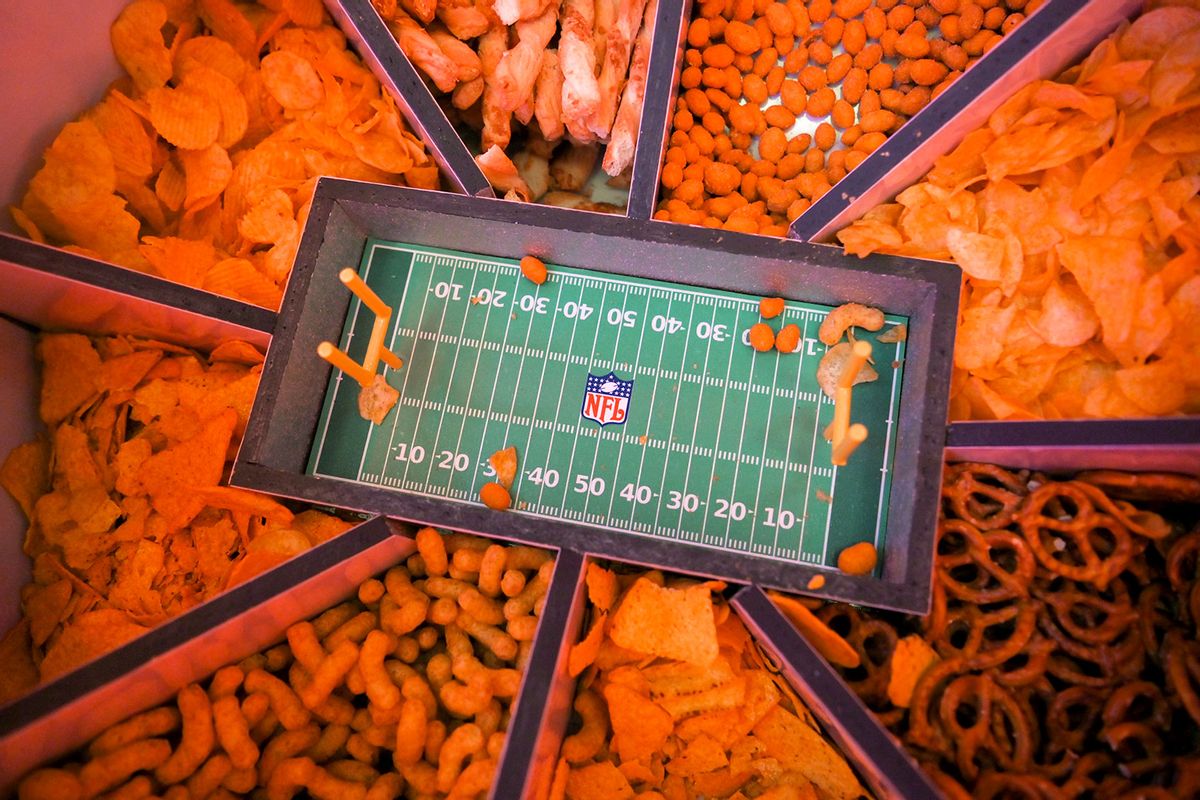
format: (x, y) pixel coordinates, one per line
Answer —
(662, 79)
(61, 715)
(19, 399)
(536, 730)
(53, 289)
(379, 51)
(888, 770)
(1169, 444)
(1053, 37)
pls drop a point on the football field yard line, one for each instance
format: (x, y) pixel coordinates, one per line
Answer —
(429, 375)
(637, 359)
(731, 484)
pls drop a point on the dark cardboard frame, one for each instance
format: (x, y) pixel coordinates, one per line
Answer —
(345, 214)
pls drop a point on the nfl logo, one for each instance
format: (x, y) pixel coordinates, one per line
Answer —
(606, 400)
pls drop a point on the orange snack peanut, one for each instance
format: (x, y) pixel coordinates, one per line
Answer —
(762, 338)
(534, 269)
(495, 496)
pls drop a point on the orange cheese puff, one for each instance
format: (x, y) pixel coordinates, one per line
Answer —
(495, 496)
(770, 307)
(534, 269)
(762, 338)
(858, 559)
(788, 339)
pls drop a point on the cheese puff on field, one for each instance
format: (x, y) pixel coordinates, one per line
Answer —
(199, 164)
(1074, 216)
(338, 709)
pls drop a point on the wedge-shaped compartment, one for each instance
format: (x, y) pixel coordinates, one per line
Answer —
(60, 716)
(385, 636)
(653, 712)
(1031, 45)
(1055, 36)
(574, 145)
(1060, 572)
(110, 376)
(115, 182)
(644, 262)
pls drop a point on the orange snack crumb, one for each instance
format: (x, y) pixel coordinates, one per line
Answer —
(495, 496)
(762, 338)
(816, 582)
(534, 269)
(858, 559)
(770, 307)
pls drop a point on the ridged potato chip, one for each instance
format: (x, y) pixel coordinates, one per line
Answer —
(137, 41)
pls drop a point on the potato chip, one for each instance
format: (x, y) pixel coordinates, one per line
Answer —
(184, 116)
(291, 80)
(125, 133)
(231, 106)
(78, 170)
(180, 260)
(271, 219)
(206, 173)
(1109, 271)
(673, 623)
(268, 550)
(227, 22)
(137, 41)
(305, 13)
(211, 52)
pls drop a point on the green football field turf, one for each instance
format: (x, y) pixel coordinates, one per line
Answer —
(721, 446)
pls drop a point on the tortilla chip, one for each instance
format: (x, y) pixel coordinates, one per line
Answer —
(69, 367)
(18, 673)
(703, 754)
(911, 657)
(601, 587)
(602, 781)
(672, 623)
(583, 653)
(802, 749)
(640, 726)
(194, 463)
(504, 462)
(44, 607)
(25, 474)
(90, 635)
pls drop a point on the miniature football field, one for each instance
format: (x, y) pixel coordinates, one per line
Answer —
(711, 443)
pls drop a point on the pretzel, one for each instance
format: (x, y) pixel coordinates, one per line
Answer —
(1066, 533)
(983, 495)
(985, 578)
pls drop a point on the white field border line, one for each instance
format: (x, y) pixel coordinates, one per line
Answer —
(749, 301)
(612, 497)
(366, 447)
(537, 401)
(429, 379)
(811, 455)
(887, 440)
(720, 427)
(349, 336)
(521, 369)
(687, 476)
(741, 448)
(579, 421)
(650, 415)
(475, 369)
(763, 457)
(413, 266)
(787, 455)
(562, 393)
(450, 380)
(487, 423)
